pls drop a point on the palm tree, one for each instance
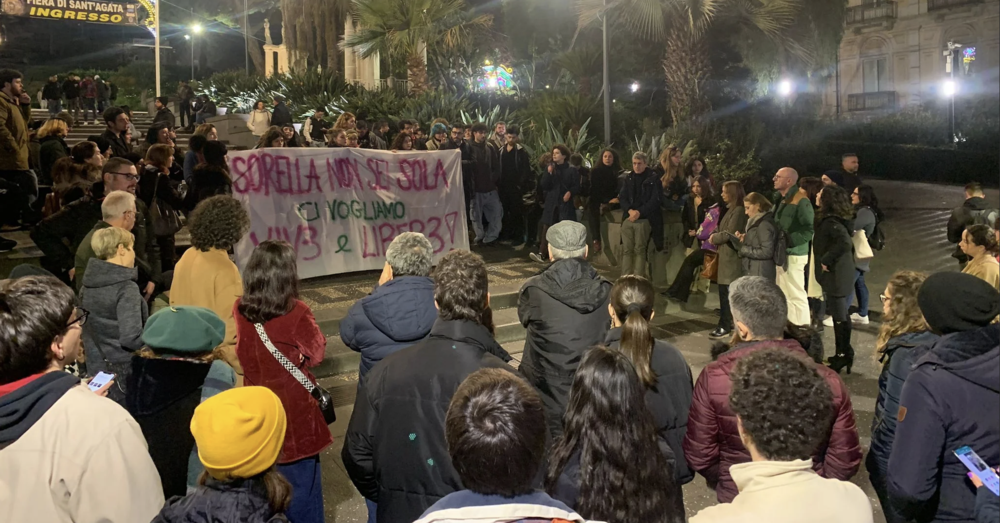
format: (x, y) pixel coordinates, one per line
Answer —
(681, 26)
(405, 29)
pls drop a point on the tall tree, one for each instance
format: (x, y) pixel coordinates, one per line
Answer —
(311, 30)
(405, 29)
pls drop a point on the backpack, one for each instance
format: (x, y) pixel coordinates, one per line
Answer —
(877, 240)
(983, 217)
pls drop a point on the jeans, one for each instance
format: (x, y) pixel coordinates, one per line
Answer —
(372, 510)
(55, 107)
(101, 106)
(681, 287)
(861, 289)
(307, 490)
(487, 204)
(725, 313)
(635, 240)
(89, 106)
(73, 105)
(792, 281)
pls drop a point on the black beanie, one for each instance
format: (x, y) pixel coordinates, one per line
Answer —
(957, 302)
(836, 177)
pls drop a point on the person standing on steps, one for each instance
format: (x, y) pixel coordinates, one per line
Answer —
(640, 203)
(835, 270)
(486, 197)
(559, 185)
(795, 218)
(603, 189)
(281, 115)
(185, 94)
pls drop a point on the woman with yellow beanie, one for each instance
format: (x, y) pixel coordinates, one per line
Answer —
(239, 434)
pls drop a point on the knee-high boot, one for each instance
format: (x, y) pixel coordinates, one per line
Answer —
(845, 352)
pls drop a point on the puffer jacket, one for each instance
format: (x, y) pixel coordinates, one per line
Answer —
(395, 450)
(757, 248)
(240, 501)
(899, 353)
(669, 400)
(713, 444)
(835, 249)
(117, 312)
(395, 315)
(565, 311)
(949, 400)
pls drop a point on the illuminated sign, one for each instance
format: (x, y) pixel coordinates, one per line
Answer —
(95, 11)
(968, 56)
(499, 77)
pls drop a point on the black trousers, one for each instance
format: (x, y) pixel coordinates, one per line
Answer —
(19, 191)
(513, 216)
(725, 313)
(594, 220)
(185, 110)
(167, 251)
(681, 288)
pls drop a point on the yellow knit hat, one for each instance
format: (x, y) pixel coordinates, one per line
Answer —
(239, 432)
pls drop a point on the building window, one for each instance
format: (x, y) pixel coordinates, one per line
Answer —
(875, 74)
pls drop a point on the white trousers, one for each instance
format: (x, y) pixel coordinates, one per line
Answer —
(792, 282)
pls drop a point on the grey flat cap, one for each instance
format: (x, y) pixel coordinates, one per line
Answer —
(567, 235)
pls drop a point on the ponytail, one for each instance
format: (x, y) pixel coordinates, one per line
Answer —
(637, 344)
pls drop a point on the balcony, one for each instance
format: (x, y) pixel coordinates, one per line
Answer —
(871, 101)
(937, 5)
(872, 12)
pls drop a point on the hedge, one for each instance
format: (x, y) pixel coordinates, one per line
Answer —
(923, 164)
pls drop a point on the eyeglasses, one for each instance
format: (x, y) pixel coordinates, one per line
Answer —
(884, 298)
(129, 176)
(81, 317)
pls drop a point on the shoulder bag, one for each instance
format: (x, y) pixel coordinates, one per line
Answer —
(862, 249)
(166, 222)
(321, 395)
(710, 268)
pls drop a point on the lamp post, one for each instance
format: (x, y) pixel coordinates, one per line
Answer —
(156, 43)
(246, 36)
(607, 81)
(951, 88)
(195, 29)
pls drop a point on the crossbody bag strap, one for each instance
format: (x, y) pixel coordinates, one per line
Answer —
(284, 361)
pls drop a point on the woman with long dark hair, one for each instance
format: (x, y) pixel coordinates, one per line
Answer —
(402, 142)
(559, 184)
(903, 330)
(834, 266)
(696, 238)
(211, 177)
(610, 464)
(730, 268)
(271, 317)
(696, 167)
(73, 176)
(273, 137)
(603, 189)
(867, 215)
(660, 366)
(810, 186)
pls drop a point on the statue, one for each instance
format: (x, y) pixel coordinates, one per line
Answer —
(267, 32)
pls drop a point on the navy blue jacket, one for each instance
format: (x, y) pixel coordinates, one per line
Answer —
(647, 202)
(951, 398)
(394, 316)
(900, 352)
(564, 178)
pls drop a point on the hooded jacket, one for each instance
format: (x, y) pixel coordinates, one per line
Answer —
(712, 444)
(669, 399)
(950, 399)
(900, 352)
(395, 315)
(395, 450)
(565, 311)
(834, 248)
(69, 455)
(117, 312)
(242, 501)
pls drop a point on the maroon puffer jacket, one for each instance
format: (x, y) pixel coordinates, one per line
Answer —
(712, 443)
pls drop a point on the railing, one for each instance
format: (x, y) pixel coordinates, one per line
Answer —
(884, 10)
(871, 101)
(934, 5)
(396, 84)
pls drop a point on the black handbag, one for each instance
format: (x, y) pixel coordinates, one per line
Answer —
(323, 398)
(166, 221)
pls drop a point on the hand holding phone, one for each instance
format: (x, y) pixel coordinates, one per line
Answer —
(101, 383)
(978, 467)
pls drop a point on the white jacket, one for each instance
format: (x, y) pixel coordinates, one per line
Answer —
(85, 460)
(259, 122)
(788, 492)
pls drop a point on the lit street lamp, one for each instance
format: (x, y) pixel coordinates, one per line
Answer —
(196, 28)
(785, 88)
(950, 88)
(634, 87)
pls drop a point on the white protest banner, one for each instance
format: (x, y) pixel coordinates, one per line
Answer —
(340, 208)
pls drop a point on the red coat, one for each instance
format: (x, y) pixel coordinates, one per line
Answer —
(298, 337)
(712, 443)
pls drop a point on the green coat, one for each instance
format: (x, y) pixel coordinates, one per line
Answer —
(13, 135)
(795, 216)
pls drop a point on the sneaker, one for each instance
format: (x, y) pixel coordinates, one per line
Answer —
(537, 258)
(719, 333)
(7, 245)
(859, 319)
(828, 321)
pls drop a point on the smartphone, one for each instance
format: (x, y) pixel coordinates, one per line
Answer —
(978, 467)
(100, 380)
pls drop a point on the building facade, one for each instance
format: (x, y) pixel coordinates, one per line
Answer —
(891, 54)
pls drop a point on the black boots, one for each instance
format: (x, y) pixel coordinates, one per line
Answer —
(845, 352)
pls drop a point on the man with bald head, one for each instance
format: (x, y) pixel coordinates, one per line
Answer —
(794, 215)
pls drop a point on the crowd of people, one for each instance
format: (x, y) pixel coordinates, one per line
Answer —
(212, 412)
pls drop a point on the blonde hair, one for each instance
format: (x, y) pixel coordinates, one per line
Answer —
(53, 127)
(904, 312)
(758, 199)
(116, 204)
(105, 242)
(204, 129)
(669, 170)
(343, 119)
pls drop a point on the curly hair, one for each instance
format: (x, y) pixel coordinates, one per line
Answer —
(624, 477)
(834, 201)
(461, 287)
(397, 143)
(218, 222)
(784, 405)
(904, 312)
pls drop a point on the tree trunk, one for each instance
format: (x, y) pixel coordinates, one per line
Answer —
(686, 68)
(416, 71)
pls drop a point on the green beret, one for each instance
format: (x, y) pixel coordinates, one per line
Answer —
(184, 329)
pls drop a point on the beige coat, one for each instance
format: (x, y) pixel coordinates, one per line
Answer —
(788, 492)
(84, 460)
(210, 279)
(985, 268)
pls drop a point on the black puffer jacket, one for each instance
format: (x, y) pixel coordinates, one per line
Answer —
(834, 248)
(565, 309)
(669, 400)
(241, 501)
(395, 450)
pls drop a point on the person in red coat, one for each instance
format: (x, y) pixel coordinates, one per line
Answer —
(712, 443)
(270, 299)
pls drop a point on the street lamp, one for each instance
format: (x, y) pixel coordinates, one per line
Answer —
(785, 88)
(950, 87)
(634, 87)
(196, 28)
(607, 81)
